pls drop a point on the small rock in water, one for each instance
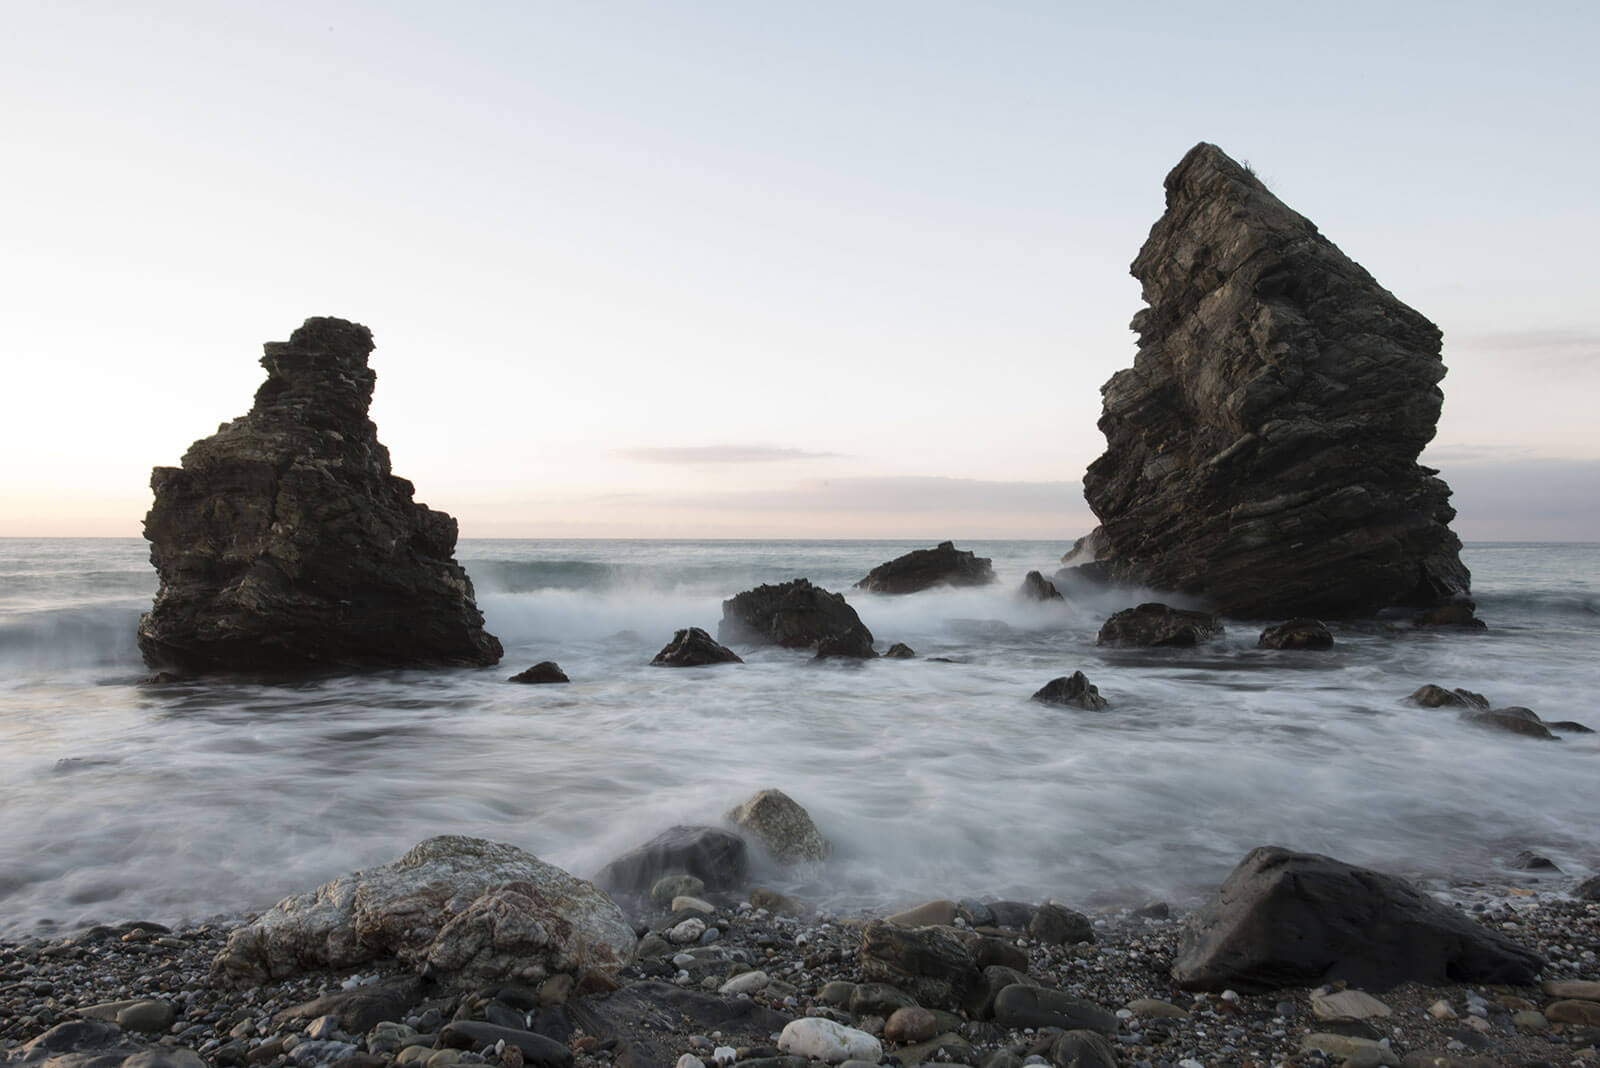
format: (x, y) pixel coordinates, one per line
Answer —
(1528, 860)
(546, 671)
(1074, 689)
(782, 825)
(899, 651)
(1297, 634)
(1035, 587)
(693, 647)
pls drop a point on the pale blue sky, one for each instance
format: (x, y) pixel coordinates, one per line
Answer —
(722, 269)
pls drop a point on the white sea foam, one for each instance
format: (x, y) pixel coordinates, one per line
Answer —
(178, 802)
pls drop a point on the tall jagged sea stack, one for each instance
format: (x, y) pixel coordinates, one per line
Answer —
(1261, 453)
(284, 541)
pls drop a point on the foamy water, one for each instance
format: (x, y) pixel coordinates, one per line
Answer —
(211, 798)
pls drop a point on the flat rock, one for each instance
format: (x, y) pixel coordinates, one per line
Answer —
(782, 825)
(1261, 451)
(644, 1018)
(1021, 1006)
(482, 911)
(1301, 919)
(941, 912)
(1154, 624)
(693, 647)
(284, 541)
(536, 1048)
(1083, 1049)
(1075, 690)
(1347, 1005)
(795, 615)
(1579, 989)
(1511, 720)
(921, 569)
(1573, 1011)
(929, 963)
(718, 858)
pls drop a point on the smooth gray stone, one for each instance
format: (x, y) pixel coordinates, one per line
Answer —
(1032, 1006)
(536, 1048)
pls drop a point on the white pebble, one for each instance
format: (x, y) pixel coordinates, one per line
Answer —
(688, 931)
(689, 1060)
(725, 1055)
(825, 1040)
(745, 983)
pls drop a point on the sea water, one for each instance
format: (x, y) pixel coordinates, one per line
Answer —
(931, 777)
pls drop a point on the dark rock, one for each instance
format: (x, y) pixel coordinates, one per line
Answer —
(1011, 913)
(76, 1036)
(1153, 910)
(1153, 624)
(795, 615)
(1452, 613)
(1261, 451)
(1297, 634)
(1021, 1006)
(923, 569)
(543, 672)
(988, 951)
(361, 1009)
(1588, 890)
(1035, 587)
(975, 912)
(929, 963)
(1074, 689)
(1057, 925)
(1083, 1049)
(899, 651)
(878, 999)
(1431, 696)
(718, 858)
(693, 648)
(645, 1021)
(1569, 727)
(1528, 860)
(284, 542)
(947, 1048)
(536, 1048)
(1300, 919)
(1513, 720)
(994, 978)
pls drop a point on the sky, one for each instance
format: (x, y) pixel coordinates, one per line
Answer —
(751, 269)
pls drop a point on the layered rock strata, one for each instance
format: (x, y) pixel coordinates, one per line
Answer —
(1261, 451)
(284, 541)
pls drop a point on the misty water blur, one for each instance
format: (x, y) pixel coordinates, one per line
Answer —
(213, 797)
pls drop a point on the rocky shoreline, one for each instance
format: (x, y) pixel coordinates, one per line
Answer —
(719, 978)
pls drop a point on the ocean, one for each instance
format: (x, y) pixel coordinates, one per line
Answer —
(213, 798)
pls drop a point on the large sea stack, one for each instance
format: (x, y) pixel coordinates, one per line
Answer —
(284, 542)
(1261, 453)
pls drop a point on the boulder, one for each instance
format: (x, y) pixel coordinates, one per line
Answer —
(718, 858)
(922, 569)
(545, 671)
(779, 822)
(1297, 634)
(1075, 690)
(900, 651)
(795, 615)
(1286, 919)
(929, 963)
(1261, 452)
(1154, 624)
(1512, 720)
(284, 541)
(693, 647)
(1057, 925)
(1035, 587)
(1022, 1006)
(1453, 613)
(1431, 696)
(467, 908)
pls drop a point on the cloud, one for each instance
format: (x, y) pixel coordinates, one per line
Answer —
(719, 454)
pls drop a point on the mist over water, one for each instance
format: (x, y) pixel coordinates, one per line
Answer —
(215, 797)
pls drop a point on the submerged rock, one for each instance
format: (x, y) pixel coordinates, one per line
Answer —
(1454, 613)
(900, 651)
(1261, 451)
(1075, 690)
(718, 858)
(795, 615)
(782, 825)
(921, 569)
(1297, 634)
(285, 542)
(545, 671)
(464, 907)
(1431, 696)
(1513, 720)
(693, 647)
(1157, 624)
(1300, 919)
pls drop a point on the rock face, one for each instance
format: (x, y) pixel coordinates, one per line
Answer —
(1261, 452)
(796, 615)
(284, 542)
(921, 569)
(480, 911)
(1158, 624)
(693, 647)
(1301, 919)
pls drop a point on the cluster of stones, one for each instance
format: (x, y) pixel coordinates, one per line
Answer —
(1513, 719)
